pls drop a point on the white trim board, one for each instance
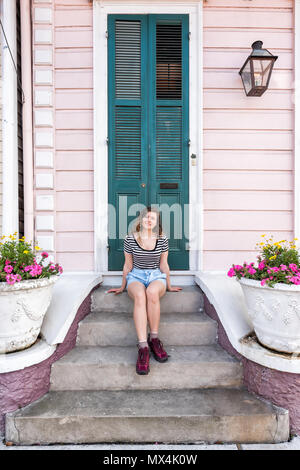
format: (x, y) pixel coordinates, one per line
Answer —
(101, 9)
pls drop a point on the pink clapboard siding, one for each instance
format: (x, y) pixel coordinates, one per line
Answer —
(247, 143)
(73, 25)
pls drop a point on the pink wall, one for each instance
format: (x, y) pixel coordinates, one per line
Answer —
(248, 142)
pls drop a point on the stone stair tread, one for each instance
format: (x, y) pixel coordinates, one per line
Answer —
(171, 317)
(128, 355)
(189, 299)
(211, 415)
(182, 402)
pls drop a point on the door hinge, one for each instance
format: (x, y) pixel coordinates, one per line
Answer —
(107, 140)
(106, 34)
(190, 35)
(108, 247)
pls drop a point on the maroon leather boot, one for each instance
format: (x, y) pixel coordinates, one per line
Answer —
(157, 349)
(142, 363)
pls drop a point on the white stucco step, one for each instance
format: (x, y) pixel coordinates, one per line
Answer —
(113, 368)
(116, 328)
(189, 299)
(166, 416)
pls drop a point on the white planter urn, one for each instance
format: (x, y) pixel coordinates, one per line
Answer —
(22, 309)
(275, 314)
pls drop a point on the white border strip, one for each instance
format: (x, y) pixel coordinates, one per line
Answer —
(101, 9)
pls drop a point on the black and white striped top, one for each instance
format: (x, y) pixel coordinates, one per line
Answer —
(145, 259)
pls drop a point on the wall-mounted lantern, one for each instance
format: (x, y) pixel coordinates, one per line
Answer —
(256, 71)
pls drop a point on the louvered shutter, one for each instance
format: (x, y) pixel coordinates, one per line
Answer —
(170, 129)
(127, 126)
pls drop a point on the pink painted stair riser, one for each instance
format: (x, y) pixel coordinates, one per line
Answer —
(274, 313)
(22, 310)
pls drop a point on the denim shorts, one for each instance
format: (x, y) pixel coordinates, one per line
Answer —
(145, 276)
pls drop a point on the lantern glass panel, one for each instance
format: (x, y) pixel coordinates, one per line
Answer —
(246, 75)
(261, 70)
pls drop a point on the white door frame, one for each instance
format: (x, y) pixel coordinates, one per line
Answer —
(100, 11)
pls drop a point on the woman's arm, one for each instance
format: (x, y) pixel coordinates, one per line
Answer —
(164, 267)
(126, 269)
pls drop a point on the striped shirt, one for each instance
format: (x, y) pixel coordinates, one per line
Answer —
(145, 259)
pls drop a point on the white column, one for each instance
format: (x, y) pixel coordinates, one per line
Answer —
(10, 216)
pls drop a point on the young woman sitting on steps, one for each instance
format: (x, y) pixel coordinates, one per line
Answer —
(146, 275)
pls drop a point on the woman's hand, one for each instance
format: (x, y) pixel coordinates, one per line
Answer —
(174, 289)
(116, 290)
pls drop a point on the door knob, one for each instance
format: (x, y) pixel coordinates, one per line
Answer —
(143, 185)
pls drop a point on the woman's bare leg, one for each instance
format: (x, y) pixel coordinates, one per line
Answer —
(154, 291)
(137, 291)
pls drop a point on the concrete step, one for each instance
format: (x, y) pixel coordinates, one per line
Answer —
(113, 368)
(189, 299)
(117, 329)
(166, 416)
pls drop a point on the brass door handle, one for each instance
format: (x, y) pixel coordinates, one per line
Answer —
(143, 185)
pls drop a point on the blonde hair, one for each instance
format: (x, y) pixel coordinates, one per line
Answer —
(137, 227)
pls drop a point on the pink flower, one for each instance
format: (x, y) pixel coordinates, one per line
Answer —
(12, 278)
(293, 267)
(283, 267)
(294, 279)
(36, 270)
(263, 281)
(251, 270)
(261, 265)
(8, 268)
(44, 254)
(230, 273)
(273, 270)
(7, 261)
(60, 269)
(237, 267)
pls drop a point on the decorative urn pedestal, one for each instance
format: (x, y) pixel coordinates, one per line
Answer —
(275, 314)
(22, 310)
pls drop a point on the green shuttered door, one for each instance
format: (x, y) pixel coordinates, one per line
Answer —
(148, 128)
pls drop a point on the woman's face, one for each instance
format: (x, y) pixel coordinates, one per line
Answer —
(149, 221)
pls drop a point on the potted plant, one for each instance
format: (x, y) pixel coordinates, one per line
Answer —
(26, 282)
(272, 294)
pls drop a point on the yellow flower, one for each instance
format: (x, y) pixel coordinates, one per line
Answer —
(25, 251)
(273, 257)
(295, 238)
(37, 247)
(263, 235)
(262, 244)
